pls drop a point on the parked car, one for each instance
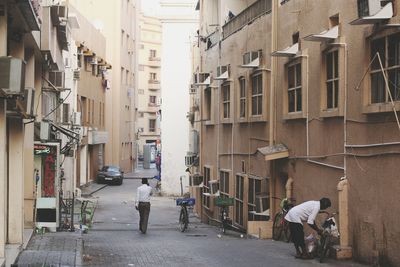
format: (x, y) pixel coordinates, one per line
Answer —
(110, 174)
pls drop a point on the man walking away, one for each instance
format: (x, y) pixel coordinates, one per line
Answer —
(143, 204)
(305, 212)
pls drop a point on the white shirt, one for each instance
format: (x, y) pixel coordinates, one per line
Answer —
(143, 193)
(305, 212)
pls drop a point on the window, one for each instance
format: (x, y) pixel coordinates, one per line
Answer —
(242, 99)
(153, 76)
(256, 94)
(239, 199)
(226, 91)
(332, 79)
(152, 125)
(206, 188)
(153, 53)
(152, 100)
(254, 189)
(207, 103)
(294, 88)
(388, 49)
(224, 183)
(66, 107)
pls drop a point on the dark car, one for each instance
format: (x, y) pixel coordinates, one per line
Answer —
(110, 174)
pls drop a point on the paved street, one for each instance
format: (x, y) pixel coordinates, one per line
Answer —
(116, 241)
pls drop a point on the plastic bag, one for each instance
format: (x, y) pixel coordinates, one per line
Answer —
(311, 243)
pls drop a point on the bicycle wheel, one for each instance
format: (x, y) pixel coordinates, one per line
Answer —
(287, 235)
(183, 219)
(277, 227)
(324, 247)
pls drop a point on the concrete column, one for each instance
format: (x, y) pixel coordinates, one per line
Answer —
(3, 178)
(344, 251)
(3, 135)
(15, 181)
(28, 148)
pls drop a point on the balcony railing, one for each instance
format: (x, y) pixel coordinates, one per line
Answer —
(254, 11)
(154, 81)
(30, 10)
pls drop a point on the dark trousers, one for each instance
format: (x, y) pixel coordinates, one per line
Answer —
(297, 231)
(144, 211)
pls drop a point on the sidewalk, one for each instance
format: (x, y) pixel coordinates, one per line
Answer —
(59, 248)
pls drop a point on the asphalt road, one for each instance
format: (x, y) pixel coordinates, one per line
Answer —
(115, 239)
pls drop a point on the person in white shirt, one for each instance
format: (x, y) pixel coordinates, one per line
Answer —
(142, 204)
(305, 212)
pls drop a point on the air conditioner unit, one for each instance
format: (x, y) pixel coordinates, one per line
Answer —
(12, 76)
(57, 78)
(192, 90)
(202, 78)
(59, 14)
(84, 131)
(368, 7)
(251, 59)
(76, 118)
(44, 130)
(191, 160)
(29, 101)
(214, 187)
(262, 202)
(223, 72)
(196, 179)
(93, 60)
(50, 3)
(77, 74)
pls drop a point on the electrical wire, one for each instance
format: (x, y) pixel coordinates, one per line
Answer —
(59, 104)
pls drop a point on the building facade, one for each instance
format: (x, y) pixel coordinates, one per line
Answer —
(299, 99)
(149, 75)
(117, 21)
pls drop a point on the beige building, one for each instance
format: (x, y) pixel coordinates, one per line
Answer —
(149, 89)
(299, 105)
(117, 21)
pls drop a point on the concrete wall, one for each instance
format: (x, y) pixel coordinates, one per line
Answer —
(177, 27)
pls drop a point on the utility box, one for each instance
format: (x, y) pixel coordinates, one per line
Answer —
(12, 75)
(147, 156)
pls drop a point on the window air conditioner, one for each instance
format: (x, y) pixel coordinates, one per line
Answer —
(251, 59)
(196, 180)
(202, 79)
(214, 187)
(262, 202)
(57, 79)
(77, 74)
(189, 160)
(368, 7)
(223, 72)
(192, 90)
(76, 118)
(59, 14)
(12, 76)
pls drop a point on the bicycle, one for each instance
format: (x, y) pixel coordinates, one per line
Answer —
(224, 203)
(280, 225)
(329, 232)
(183, 215)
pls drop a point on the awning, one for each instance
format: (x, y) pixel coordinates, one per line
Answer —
(223, 76)
(254, 64)
(330, 34)
(384, 14)
(277, 151)
(287, 52)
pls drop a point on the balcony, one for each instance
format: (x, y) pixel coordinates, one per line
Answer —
(30, 12)
(245, 17)
(154, 62)
(153, 81)
(153, 107)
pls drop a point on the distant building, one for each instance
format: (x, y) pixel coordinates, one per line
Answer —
(118, 22)
(149, 76)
